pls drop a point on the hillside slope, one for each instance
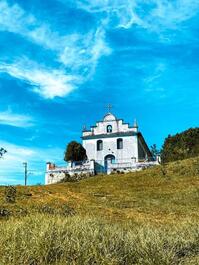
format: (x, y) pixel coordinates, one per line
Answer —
(144, 218)
(161, 194)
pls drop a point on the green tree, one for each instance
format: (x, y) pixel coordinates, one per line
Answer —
(2, 152)
(181, 146)
(154, 151)
(75, 152)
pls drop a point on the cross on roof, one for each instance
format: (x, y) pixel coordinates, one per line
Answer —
(109, 106)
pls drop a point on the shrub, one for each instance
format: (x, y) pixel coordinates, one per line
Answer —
(181, 146)
(67, 210)
(4, 212)
(66, 178)
(46, 209)
(21, 212)
(163, 170)
(10, 194)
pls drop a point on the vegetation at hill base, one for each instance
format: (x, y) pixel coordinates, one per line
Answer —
(145, 218)
(181, 146)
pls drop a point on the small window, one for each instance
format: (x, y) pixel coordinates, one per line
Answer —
(119, 143)
(99, 145)
(109, 129)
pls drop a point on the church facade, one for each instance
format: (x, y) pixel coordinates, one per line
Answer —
(111, 141)
(111, 146)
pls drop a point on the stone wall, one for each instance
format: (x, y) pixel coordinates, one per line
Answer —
(76, 172)
(71, 172)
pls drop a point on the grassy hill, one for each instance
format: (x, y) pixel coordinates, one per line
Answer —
(146, 217)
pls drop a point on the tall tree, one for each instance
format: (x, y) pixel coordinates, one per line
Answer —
(75, 152)
(154, 151)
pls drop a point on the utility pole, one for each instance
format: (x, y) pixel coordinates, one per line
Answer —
(25, 172)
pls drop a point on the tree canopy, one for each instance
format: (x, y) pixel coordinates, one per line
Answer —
(181, 146)
(2, 152)
(154, 151)
(75, 152)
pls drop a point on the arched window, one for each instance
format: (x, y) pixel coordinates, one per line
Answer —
(109, 129)
(99, 145)
(120, 143)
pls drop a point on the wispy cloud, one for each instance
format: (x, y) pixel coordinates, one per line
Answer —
(171, 13)
(14, 19)
(152, 83)
(78, 54)
(155, 73)
(84, 52)
(13, 119)
(47, 82)
(149, 14)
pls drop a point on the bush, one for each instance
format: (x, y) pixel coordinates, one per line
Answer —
(64, 210)
(67, 178)
(10, 194)
(67, 210)
(21, 212)
(4, 212)
(75, 177)
(181, 146)
(46, 209)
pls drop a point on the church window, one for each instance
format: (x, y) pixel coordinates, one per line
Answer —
(109, 129)
(119, 143)
(99, 145)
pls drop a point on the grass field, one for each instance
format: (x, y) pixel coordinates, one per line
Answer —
(147, 217)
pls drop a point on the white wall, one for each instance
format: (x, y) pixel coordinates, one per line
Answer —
(130, 144)
(130, 148)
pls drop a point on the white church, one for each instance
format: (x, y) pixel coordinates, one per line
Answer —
(112, 146)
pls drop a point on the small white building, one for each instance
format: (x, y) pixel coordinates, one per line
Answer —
(111, 141)
(111, 146)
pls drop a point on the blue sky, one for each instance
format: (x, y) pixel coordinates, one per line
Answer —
(62, 62)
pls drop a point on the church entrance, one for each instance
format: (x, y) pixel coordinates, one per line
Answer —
(109, 159)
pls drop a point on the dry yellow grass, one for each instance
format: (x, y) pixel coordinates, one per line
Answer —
(144, 218)
(160, 195)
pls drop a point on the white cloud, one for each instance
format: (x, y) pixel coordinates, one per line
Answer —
(151, 14)
(14, 119)
(119, 13)
(172, 13)
(155, 73)
(79, 53)
(14, 19)
(83, 52)
(47, 82)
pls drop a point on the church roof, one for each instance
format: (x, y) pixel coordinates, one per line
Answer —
(105, 135)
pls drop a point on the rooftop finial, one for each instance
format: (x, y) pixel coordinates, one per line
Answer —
(135, 123)
(84, 128)
(109, 106)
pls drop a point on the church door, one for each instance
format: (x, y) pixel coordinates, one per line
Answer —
(109, 159)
